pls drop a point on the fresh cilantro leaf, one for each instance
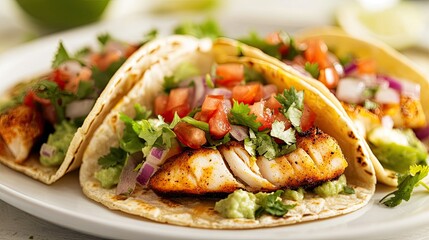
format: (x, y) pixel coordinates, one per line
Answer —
(82, 53)
(115, 157)
(278, 131)
(59, 99)
(130, 141)
(104, 38)
(184, 71)
(348, 190)
(216, 142)
(250, 146)
(370, 105)
(208, 28)
(101, 78)
(199, 124)
(256, 41)
(85, 89)
(294, 115)
(141, 112)
(406, 185)
(292, 50)
(285, 149)
(265, 145)
(240, 115)
(292, 102)
(149, 36)
(291, 96)
(313, 69)
(346, 59)
(271, 203)
(61, 56)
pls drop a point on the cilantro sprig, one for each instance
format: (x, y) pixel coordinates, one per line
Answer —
(292, 102)
(407, 183)
(240, 115)
(272, 204)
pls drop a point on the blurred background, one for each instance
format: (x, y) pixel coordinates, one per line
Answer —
(402, 24)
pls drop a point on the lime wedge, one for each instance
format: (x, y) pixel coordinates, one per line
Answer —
(400, 25)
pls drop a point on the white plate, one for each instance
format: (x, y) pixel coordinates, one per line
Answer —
(64, 204)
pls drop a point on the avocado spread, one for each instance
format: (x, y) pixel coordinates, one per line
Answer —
(295, 195)
(109, 177)
(397, 149)
(60, 141)
(332, 188)
(239, 204)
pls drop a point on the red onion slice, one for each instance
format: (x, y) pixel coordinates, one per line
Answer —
(393, 83)
(157, 156)
(268, 90)
(200, 90)
(350, 90)
(350, 68)
(387, 96)
(239, 133)
(220, 91)
(145, 173)
(422, 133)
(127, 180)
(79, 108)
(47, 150)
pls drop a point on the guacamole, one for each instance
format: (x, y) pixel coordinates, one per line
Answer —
(60, 141)
(109, 177)
(397, 149)
(239, 204)
(331, 188)
(295, 195)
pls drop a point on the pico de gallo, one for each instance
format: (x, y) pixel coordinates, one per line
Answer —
(386, 110)
(50, 108)
(196, 111)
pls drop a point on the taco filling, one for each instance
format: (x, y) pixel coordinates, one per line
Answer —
(40, 118)
(222, 133)
(387, 110)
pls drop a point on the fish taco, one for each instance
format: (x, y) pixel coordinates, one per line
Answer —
(375, 85)
(210, 140)
(45, 123)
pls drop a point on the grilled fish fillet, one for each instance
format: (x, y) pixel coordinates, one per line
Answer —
(195, 172)
(318, 158)
(407, 114)
(20, 127)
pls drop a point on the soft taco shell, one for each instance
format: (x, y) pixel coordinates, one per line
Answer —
(125, 78)
(198, 212)
(388, 60)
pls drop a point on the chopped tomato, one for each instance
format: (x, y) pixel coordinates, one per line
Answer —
(218, 124)
(273, 104)
(247, 94)
(329, 77)
(263, 115)
(161, 102)
(317, 52)
(366, 66)
(308, 118)
(189, 135)
(210, 105)
(229, 74)
(60, 78)
(104, 60)
(178, 101)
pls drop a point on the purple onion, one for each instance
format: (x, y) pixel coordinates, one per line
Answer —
(146, 171)
(200, 90)
(47, 150)
(239, 133)
(268, 90)
(350, 68)
(156, 156)
(393, 83)
(221, 91)
(127, 180)
(422, 133)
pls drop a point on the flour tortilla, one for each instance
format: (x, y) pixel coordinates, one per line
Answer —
(129, 74)
(198, 212)
(388, 61)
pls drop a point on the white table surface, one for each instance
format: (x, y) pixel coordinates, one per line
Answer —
(16, 224)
